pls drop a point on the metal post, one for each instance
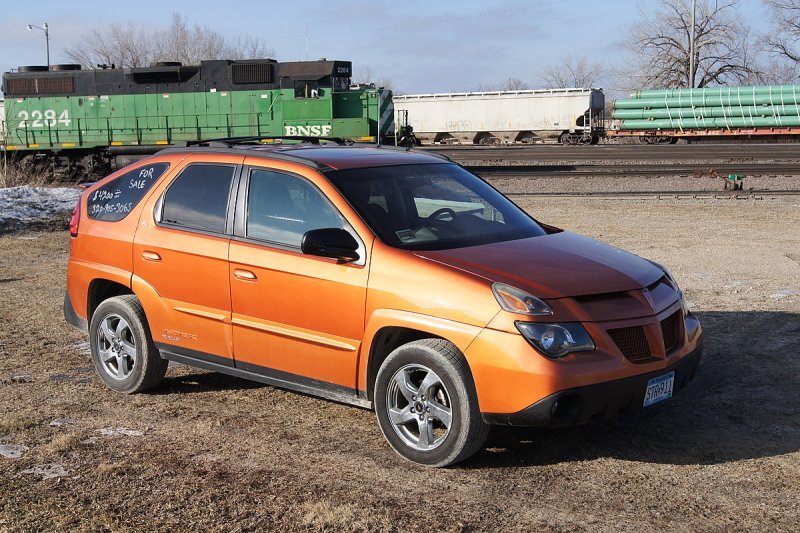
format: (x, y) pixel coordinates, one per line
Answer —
(46, 29)
(691, 46)
(47, 43)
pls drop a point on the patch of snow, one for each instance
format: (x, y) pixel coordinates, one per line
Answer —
(62, 422)
(29, 204)
(83, 347)
(12, 451)
(48, 471)
(111, 432)
(780, 294)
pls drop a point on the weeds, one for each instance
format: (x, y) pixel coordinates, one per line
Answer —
(12, 175)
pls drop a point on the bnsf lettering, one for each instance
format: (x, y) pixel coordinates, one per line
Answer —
(308, 131)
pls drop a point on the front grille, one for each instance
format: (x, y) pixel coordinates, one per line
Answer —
(632, 342)
(670, 331)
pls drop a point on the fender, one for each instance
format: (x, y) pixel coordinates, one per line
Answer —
(460, 334)
(154, 308)
(84, 272)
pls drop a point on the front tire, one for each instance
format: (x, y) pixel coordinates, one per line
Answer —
(123, 352)
(426, 404)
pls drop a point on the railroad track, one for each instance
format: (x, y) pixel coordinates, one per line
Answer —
(680, 153)
(670, 195)
(699, 170)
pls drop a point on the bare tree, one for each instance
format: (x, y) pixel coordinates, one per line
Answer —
(660, 41)
(366, 75)
(131, 45)
(783, 40)
(572, 72)
(511, 84)
(123, 45)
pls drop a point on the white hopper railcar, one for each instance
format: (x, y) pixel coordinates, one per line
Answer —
(570, 116)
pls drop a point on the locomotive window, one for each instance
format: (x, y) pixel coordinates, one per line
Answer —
(341, 84)
(198, 198)
(114, 200)
(306, 89)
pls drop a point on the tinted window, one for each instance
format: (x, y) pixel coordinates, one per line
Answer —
(198, 198)
(432, 207)
(281, 208)
(114, 200)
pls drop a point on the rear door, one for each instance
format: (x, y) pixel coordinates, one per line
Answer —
(295, 317)
(181, 253)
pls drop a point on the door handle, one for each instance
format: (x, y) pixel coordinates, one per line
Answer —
(151, 256)
(244, 275)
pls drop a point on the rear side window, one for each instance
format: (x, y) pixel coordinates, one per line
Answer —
(114, 200)
(198, 198)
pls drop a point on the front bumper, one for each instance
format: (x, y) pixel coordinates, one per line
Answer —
(596, 402)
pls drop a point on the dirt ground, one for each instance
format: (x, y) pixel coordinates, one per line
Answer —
(214, 453)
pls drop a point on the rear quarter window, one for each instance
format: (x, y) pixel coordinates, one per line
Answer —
(114, 200)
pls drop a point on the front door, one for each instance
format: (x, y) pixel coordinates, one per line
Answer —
(295, 317)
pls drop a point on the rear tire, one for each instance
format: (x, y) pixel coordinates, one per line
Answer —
(426, 404)
(123, 352)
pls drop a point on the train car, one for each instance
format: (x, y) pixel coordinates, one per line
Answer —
(85, 118)
(761, 112)
(570, 116)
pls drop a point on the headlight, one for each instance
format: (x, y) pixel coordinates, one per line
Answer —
(515, 300)
(671, 279)
(556, 340)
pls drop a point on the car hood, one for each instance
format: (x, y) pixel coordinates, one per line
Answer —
(553, 266)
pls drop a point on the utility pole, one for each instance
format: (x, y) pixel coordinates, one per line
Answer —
(692, 66)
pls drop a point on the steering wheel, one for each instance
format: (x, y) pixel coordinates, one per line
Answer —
(442, 211)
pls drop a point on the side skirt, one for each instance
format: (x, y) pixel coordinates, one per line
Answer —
(277, 378)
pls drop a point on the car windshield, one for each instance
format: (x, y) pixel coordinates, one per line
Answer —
(432, 206)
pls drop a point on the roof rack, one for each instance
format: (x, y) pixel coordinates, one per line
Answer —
(410, 149)
(230, 142)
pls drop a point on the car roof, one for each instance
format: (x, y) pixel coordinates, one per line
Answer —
(322, 156)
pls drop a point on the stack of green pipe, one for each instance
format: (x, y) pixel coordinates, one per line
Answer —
(718, 107)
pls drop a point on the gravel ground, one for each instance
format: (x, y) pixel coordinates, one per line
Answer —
(210, 452)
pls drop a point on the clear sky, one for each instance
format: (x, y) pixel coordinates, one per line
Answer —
(420, 45)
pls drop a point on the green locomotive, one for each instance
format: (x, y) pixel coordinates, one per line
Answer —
(85, 118)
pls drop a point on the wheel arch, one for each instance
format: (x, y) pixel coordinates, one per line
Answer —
(387, 329)
(101, 289)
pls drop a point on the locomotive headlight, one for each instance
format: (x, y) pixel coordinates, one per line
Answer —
(556, 340)
(516, 300)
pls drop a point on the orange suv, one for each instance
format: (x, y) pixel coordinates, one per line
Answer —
(390, 279)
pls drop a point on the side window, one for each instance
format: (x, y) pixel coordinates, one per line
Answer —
(198, 198)
(306, 89)
(281, 208)
(114, 200)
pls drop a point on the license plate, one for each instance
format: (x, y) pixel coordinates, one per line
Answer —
(659, 389)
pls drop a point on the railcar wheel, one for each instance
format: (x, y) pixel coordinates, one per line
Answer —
(426, 404)
(123, 352)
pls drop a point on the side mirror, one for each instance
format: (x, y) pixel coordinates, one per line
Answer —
(330, 242)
